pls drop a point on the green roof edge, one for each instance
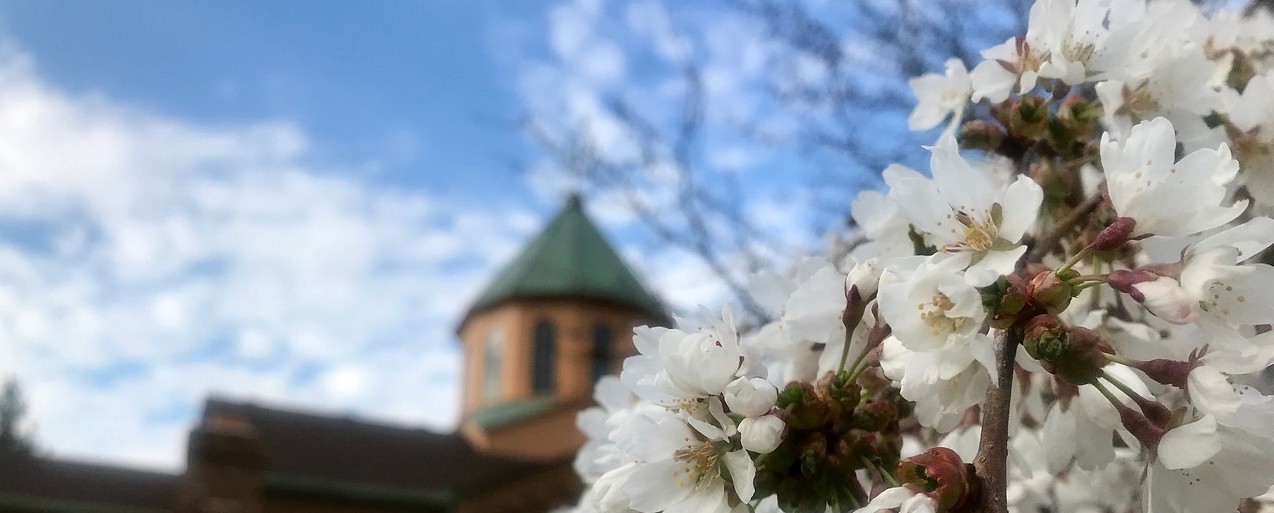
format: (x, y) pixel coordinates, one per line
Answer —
(507, 413)
(570, 257)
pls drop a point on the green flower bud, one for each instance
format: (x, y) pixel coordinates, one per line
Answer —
(1046, 339)
(813, 455)
(981, 135)
(801, 406)
(1029, 120)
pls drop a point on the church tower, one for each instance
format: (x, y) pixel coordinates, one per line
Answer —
(553, 321)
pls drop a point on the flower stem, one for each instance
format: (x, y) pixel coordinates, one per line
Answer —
(1087, 285)
(1132, 394)
(1110, 396)
(1118, 359)
(844, 351)
(887, 476)
(1075, 259)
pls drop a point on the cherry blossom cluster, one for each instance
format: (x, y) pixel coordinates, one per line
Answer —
(1068, 313)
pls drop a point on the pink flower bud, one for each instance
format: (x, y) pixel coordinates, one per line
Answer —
(1115, 235)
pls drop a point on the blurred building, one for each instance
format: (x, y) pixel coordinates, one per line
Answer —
(559, 316)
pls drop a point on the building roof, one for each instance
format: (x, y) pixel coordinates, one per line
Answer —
(503, 414)
(323, 457)
(47, 485)
(570, 258)
(338, 454)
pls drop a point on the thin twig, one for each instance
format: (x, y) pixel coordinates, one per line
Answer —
(1045, 244)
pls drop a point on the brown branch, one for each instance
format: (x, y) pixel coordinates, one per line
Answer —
(991, 463)
(1045, 244)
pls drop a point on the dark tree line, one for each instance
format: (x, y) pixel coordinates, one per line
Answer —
(14, 438)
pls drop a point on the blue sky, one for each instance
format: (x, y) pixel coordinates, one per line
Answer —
(291, 202)
(419, 88)
(280, 202)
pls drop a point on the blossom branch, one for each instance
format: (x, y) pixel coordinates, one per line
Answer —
(990, 464)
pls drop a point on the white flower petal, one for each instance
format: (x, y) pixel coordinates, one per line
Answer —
(1211, 391)
(1190, 445)
(889, 499)
(1020, 208)
(742, 473)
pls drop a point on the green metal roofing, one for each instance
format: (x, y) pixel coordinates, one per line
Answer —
(501, 414)
(570, 258)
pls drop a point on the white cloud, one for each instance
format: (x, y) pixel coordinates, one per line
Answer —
(160, 260)
(685, 282)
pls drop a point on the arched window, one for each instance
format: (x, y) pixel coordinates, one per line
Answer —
(603, 351)
(492, 363)
(544, 354)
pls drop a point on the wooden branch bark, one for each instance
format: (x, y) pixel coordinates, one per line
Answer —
(991, 462)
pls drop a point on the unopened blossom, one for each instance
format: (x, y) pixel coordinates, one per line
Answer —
(939, 97)
(830, 359)
(681, 367)
(761, 434)
(965, 215)
(750, 397)
(864, 277)
(1165, 196)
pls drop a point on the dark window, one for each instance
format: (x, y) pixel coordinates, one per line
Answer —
(494, 366)
(544, 371)
(603, 347)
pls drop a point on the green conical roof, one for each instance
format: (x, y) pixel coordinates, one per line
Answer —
(570, 258)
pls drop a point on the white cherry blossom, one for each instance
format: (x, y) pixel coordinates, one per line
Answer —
(964, 214)
(940, 96)
(932, 307)
(1165, 196)
(681, 470)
